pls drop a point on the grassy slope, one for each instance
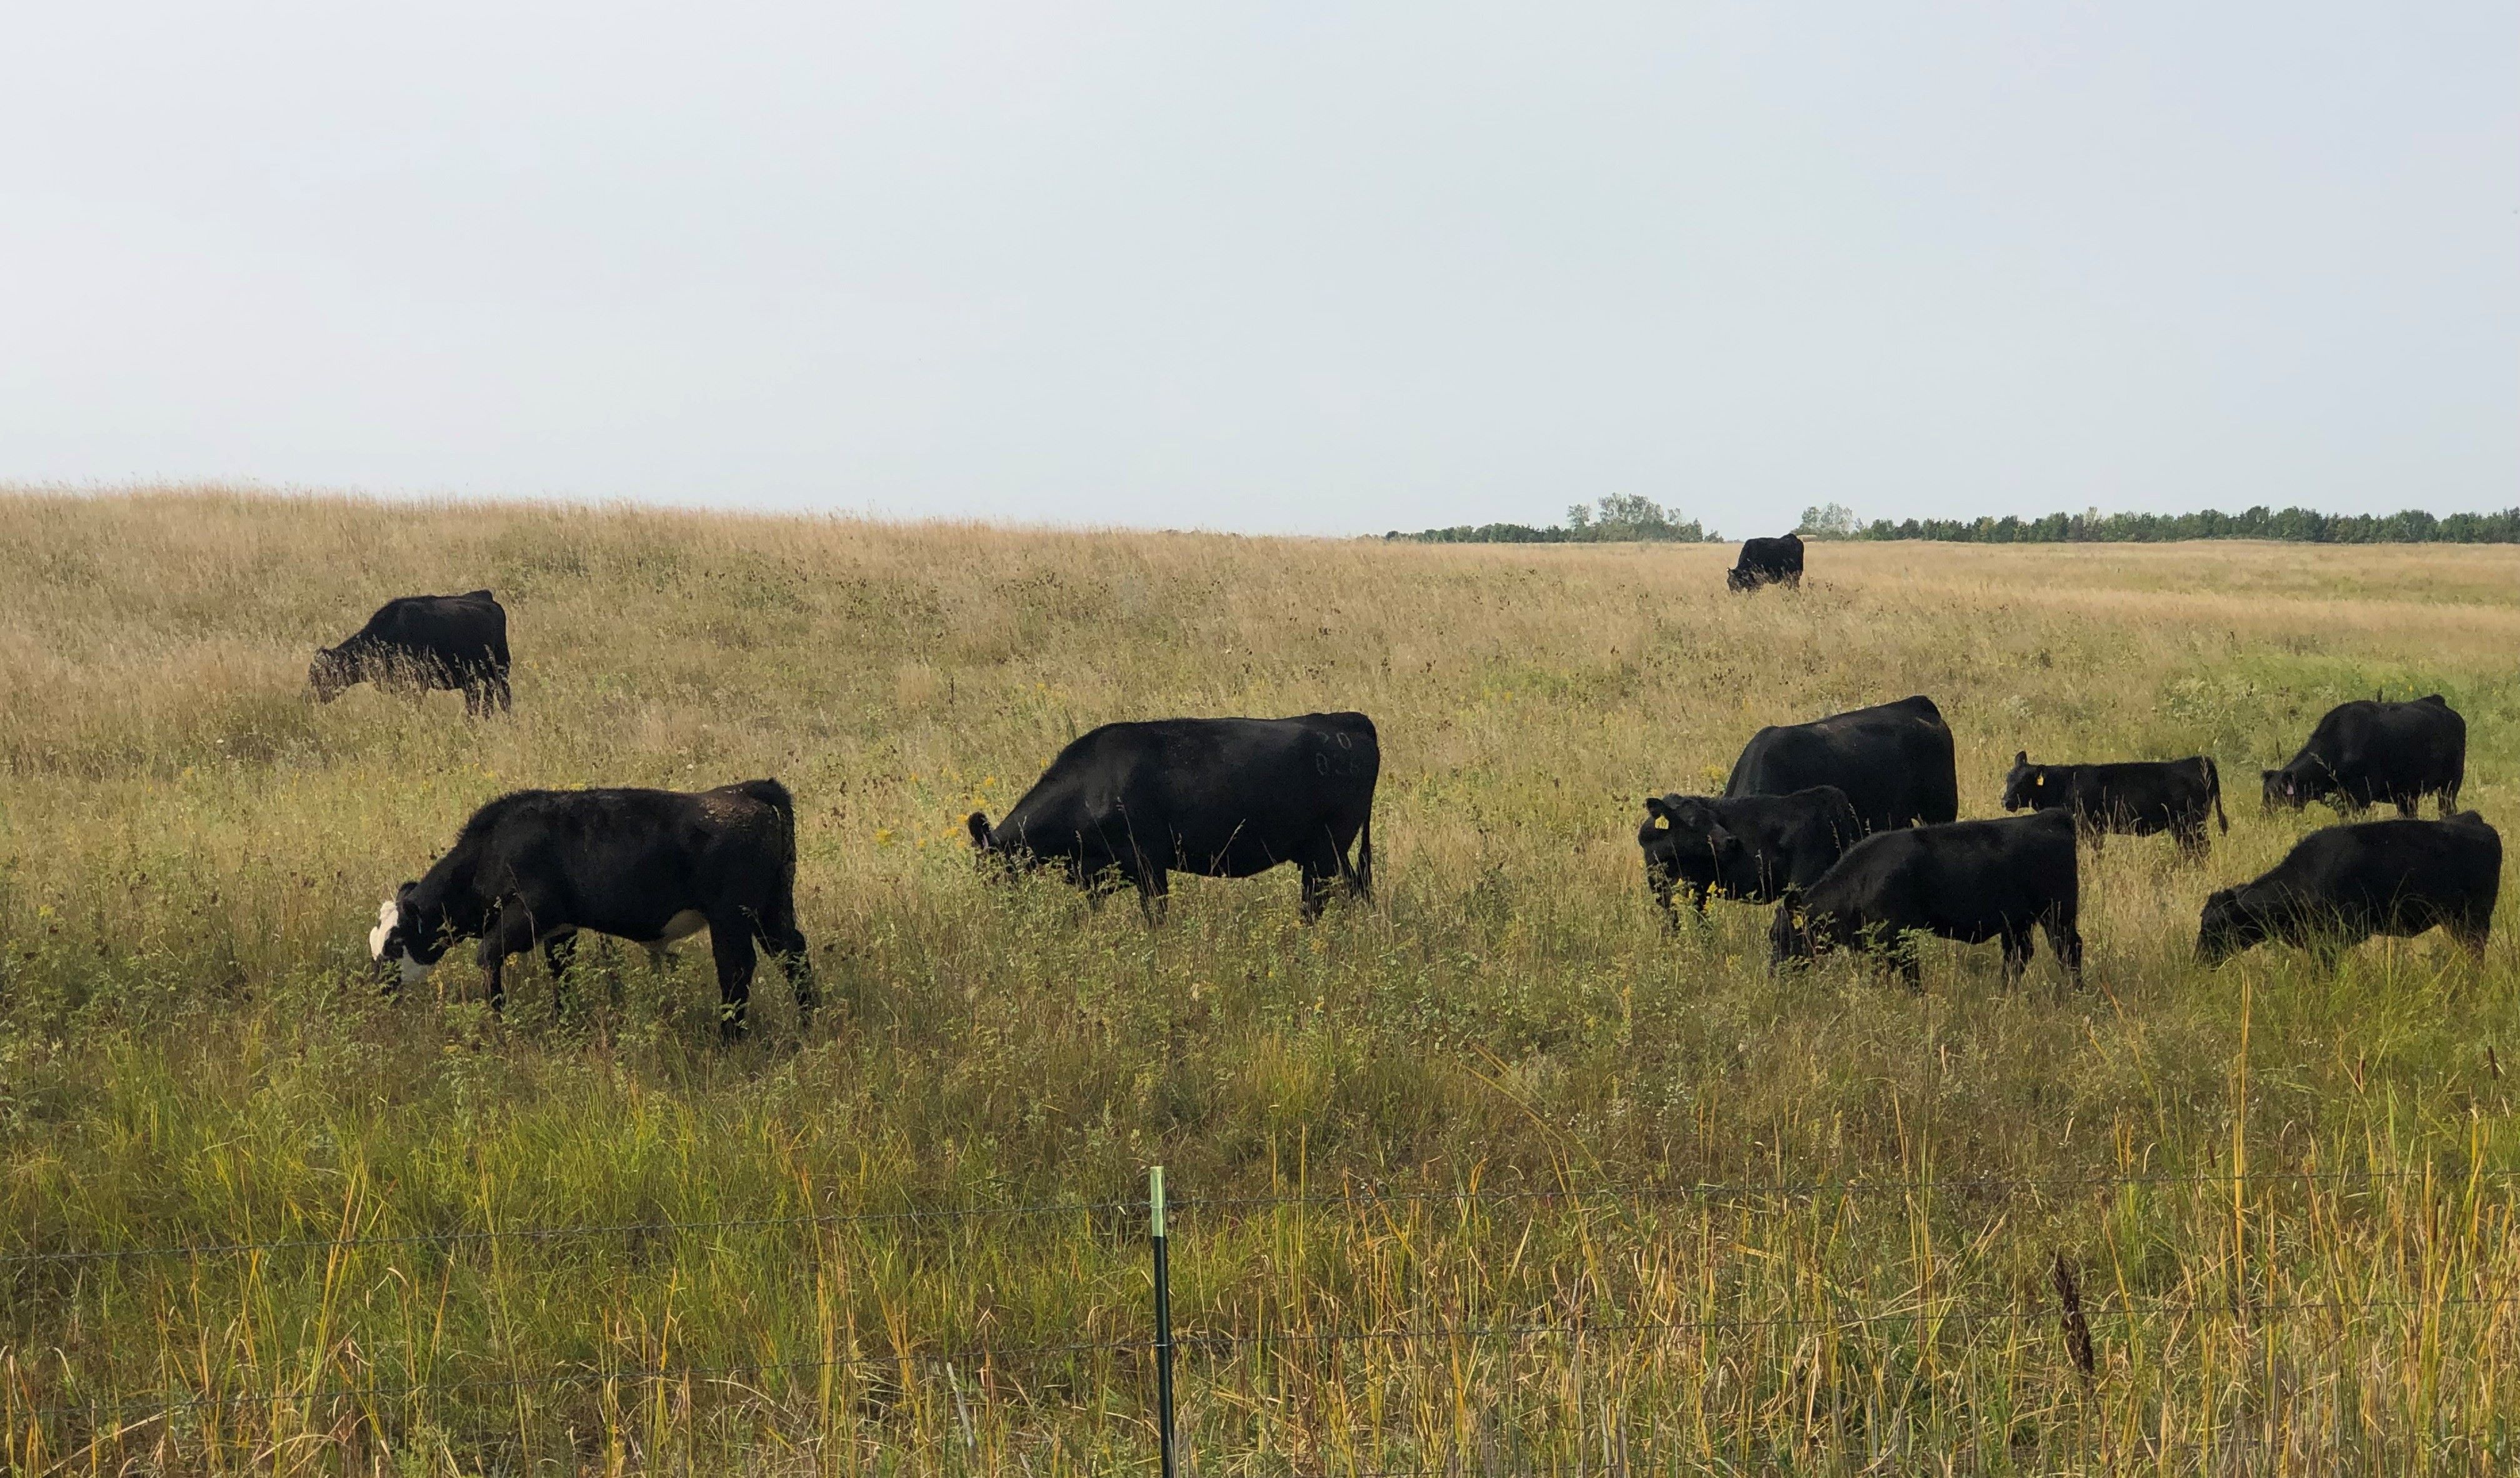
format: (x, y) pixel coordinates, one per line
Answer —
(190, 853)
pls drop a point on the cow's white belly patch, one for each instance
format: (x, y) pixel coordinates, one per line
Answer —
(681, 925)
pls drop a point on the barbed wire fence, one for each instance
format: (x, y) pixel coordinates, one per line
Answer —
(1163, 1346)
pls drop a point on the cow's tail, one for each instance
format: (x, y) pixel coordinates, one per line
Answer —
(1365, 856)
(2213, 790)
(775, 795)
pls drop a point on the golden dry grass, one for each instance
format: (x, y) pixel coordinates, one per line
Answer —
(191, 851)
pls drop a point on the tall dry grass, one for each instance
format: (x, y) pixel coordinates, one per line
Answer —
(191, 851)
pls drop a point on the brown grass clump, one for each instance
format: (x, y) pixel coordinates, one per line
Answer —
(1726, 1222)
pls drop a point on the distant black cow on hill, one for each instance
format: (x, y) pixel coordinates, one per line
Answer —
(1225, 797)
(422, 644)
(1767, 562)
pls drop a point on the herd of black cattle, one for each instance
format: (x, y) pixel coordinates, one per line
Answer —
(1848, 824)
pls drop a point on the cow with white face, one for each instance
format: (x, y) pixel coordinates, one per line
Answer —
(536, 866)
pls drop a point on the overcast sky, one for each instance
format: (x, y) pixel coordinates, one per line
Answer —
(1272, 267)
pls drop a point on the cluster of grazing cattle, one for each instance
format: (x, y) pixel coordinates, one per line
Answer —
(1847, 824)
(423, 643)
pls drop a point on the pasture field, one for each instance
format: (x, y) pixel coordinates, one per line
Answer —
(1724, 1221)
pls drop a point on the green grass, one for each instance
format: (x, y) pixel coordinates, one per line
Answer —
(191, 852)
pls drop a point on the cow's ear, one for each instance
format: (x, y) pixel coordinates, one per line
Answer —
(1657, 808)
(978, 824)
(403, 894)
(2021, 756)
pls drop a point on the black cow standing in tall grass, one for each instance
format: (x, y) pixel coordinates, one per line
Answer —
(535, 866)
(424, 644)
(2371, 752)
(2340, 885)
(1751, 848)
(1767, 562)
(1226, 797)
(1894, 761)
(1969, 880)
(2132, 797)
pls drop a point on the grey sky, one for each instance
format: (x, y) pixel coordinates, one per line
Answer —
(1272, 267)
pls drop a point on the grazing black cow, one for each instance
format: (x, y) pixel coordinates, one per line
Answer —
(1970, 880)
(2135, 797)
(2368, 752)
(1894, 762)
(2340, 885)
(1752, 847)
(1219, 798)
(651, 865)
(424, 644)
(1767, 562)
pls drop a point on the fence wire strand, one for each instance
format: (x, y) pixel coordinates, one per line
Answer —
(1362, 1197)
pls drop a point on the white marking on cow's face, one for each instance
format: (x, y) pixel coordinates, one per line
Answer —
(681, 925)
(388, 916)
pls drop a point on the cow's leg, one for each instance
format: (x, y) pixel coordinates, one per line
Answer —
(2190, 839)
(785, 943)
(2065, 937)
(511, 934)
(499, 693)
(731, 942)
(559, 950)
(1315, 892)
(2472, 932)
(1899, 952)
(1154, 891)
(2016, 954)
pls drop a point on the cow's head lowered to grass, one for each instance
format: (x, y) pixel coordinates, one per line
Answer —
(332, 673)
(410, 937)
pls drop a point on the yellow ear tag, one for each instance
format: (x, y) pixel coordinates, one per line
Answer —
(2039, 783)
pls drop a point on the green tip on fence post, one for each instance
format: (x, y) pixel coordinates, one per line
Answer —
(1163, 1323)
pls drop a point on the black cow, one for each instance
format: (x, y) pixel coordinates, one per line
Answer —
(2135, 797)
(1767, 562)
(424, 644)
(1894, 762)
(2340, 885)
(1752, 847)
(1219, 798)
(2368, 752)
(1970, 880)
(651, 865)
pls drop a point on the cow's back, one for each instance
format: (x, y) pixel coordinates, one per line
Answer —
(1895, 762)
(2372, 870)
(1184, 792)
(1953, 872)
